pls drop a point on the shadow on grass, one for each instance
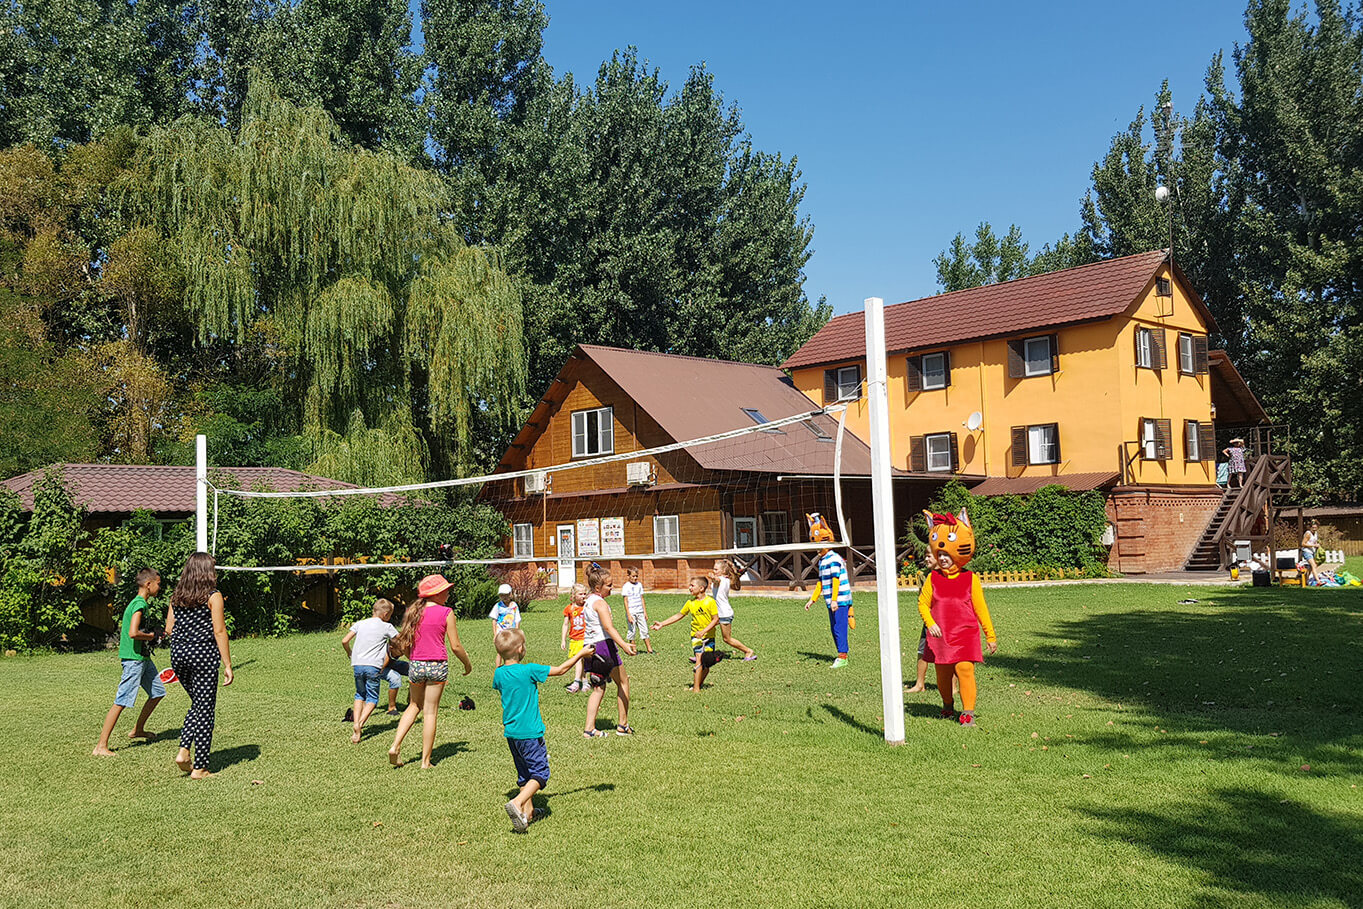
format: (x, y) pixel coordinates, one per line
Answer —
(542, 798)
(1250, 842)
(819, 657)
(447, 750)
(238, 754)
(1246, 661)
(164, 735)
(847, 719)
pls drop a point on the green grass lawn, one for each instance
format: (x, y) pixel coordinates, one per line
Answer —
(1131, 751)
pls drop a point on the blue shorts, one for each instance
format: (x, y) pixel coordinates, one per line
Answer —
(532, 760)
(138, 674)
(367, 683)
(702, 645)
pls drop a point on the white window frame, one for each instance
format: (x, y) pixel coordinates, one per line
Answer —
(778, 521)
(666, 533)
(761, 419)
(1027, 344)
(1145, 348)
(523, 540)
(605, 432)
(944, 439)
(1038, 444)
(1192, 441)
(1187, 358)
(940, 379)
(850, 389)
(1149, 440)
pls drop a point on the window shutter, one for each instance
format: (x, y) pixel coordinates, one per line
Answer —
(918, 453)
(1206, 445)
(1055, 354)
(1201, 360)
(914, 377)
(830, 386)
(1137, 335)
(1020, 456)
(946, 366)
(1055, 428)
(1163, 439)
(1017, 363)
(1157, 356)
(955, 455)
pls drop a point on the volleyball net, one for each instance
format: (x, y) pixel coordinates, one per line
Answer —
(575, 495)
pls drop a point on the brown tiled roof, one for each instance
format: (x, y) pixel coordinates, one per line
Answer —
(1021, 486)
(694, 397)
(129, 487)
(1083, 294)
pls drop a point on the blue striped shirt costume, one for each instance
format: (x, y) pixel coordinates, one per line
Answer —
(833, 566)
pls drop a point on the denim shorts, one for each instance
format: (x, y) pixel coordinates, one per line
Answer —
(532, 760)
(367, 683)
(138, 674)
(726, 620)
(429, 671)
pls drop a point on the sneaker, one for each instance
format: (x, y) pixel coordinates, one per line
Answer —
(839, 663)
(393, 712)
(518, 821)
(948, 713)
(573, 687)
(967, 719)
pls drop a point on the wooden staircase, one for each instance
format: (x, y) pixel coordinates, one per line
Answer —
(1240, 511)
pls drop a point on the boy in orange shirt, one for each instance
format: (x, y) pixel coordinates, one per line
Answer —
(574, 626)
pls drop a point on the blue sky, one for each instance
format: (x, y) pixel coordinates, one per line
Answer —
(914, 120)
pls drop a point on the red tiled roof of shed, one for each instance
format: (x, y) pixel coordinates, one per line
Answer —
(157, 488)
(1082, 294)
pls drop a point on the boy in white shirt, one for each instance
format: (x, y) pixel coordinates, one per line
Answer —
(636, 616)
(505, 615)
(368, 655)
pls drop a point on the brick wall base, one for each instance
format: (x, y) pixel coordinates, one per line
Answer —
(1157, 529)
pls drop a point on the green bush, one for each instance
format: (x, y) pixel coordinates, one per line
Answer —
(1052, 532)
(39, 591)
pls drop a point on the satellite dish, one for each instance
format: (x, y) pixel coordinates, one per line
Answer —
(1161, 193)
(974, 421)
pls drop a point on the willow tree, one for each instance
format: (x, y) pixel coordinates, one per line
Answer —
(378, 316)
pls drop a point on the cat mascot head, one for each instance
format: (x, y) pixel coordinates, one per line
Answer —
(819, 531)
(950, 534)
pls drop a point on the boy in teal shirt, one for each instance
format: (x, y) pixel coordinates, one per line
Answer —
(518, 683)
(138, 669)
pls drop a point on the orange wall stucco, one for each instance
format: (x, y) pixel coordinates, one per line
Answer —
(1097, 398)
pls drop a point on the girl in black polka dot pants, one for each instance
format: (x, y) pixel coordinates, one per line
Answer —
(198, 646)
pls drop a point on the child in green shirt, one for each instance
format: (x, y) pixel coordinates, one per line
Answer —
(138, 669)
(704, 613)
(518, 683)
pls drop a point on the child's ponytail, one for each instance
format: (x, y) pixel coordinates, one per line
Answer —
(726, 567)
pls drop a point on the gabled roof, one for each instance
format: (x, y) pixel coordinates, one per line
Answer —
(1086, 293)
(695, 397)
(124, 488)
(1235, 403)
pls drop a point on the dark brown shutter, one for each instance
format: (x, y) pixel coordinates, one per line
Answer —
(946, 366)
(955, 455)
(1206, 443)
(1164, 434)
(1017, 363)
(918, 453)
(1055, 353)
(1158, 359)
(1190, 438)
(914, 377)
(1020, 446)
(1055, 427)
(1201, 359)
(830, 386)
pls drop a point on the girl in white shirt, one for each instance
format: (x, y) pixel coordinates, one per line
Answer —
(725, 576)
(604, 665)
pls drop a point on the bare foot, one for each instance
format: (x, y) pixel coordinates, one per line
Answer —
(182, 761)
(915, 689)
(201, 775)
(427, 765)
(140, 734)
(355, 737)
(395, 758)
(102, 752)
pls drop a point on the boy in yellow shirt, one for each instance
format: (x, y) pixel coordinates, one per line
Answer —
(704, 613)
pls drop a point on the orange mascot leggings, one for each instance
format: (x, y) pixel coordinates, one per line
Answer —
(965, 674)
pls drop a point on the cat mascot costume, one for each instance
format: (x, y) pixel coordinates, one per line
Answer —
(953, 609)
(834, 588)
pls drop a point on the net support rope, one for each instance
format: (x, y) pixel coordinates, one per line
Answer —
(324, 566)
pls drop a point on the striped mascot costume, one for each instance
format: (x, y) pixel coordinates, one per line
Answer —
(834, 589)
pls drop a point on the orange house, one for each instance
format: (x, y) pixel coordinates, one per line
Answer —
(1096, 377)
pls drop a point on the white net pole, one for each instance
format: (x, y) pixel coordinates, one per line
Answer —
(201, 493)
(882, 498)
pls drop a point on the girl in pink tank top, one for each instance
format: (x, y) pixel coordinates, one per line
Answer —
(427, 627)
